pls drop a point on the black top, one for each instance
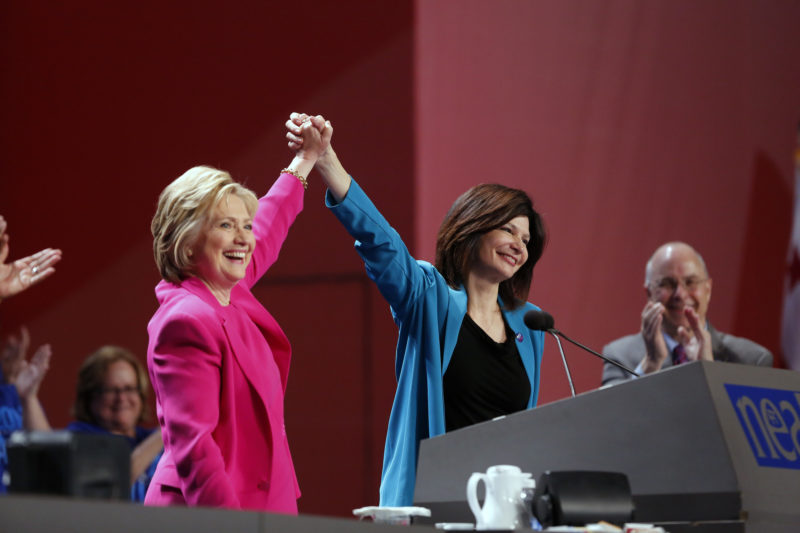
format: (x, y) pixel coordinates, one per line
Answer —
(485, 379)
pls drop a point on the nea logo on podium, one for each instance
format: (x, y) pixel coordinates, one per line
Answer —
(771, 420)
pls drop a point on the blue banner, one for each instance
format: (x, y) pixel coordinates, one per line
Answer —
(770, 419)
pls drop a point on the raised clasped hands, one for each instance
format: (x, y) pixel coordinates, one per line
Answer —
(303, 129)
(17, 276)
(309, 136)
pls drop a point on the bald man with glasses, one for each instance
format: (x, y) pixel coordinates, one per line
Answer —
(674, 327)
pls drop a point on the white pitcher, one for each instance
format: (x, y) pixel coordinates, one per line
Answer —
(503, 506)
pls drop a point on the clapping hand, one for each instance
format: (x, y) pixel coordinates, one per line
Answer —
(23, 273)
(655, 346)
(699, 334)
(17, 370)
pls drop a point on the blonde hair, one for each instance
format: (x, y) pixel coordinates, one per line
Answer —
(182, 213)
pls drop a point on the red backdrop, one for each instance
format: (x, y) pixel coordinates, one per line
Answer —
(629, 124)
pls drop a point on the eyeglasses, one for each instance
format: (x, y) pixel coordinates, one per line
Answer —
(670, 285)
(112, 392)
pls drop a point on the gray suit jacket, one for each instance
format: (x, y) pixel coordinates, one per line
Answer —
(630, 350)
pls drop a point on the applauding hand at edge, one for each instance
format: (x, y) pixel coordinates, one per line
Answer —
(17, 276)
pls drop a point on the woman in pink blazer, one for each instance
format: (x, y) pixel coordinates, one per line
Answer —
(217, 359)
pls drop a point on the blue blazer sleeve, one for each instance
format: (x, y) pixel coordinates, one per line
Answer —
(400, 278)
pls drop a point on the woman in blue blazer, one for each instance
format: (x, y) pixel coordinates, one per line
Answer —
(463, 354)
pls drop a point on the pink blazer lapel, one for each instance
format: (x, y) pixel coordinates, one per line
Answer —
(276, 339)
(251, 366)
(274, 335)
(248, 365)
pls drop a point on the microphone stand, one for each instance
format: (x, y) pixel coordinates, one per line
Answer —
(553, 331)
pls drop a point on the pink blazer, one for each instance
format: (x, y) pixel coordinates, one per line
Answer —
(225, 443)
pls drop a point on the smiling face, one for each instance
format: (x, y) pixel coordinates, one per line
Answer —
(677, 278)
(502, 251)
(223, 252)
(117, 405)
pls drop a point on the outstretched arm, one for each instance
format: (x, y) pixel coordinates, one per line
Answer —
(283, 202)
(399, 277)
(23, 273)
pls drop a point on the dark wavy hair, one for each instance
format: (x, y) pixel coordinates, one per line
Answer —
(92, 375)
(479, 210)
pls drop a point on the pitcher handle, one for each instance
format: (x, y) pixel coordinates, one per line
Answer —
(472, 497)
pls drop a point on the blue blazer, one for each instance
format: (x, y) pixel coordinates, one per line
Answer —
(428, 313)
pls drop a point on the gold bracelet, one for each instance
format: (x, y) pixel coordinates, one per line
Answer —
(296, 175)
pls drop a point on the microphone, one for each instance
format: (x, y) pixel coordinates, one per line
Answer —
(543, 321)
(539, 320)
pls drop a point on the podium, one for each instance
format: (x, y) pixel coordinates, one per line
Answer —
(49, 514)
(706, 446)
